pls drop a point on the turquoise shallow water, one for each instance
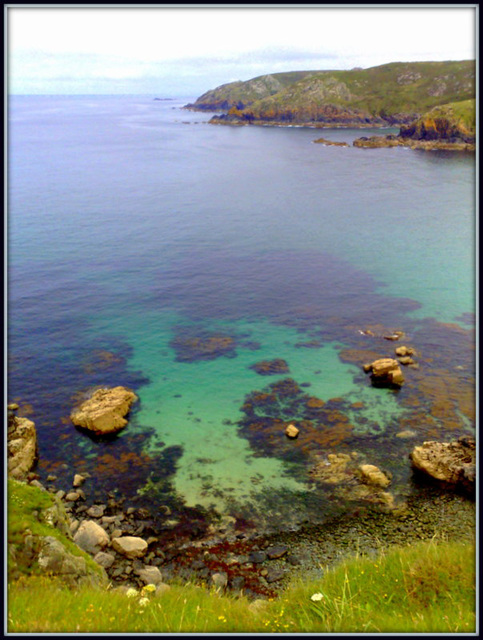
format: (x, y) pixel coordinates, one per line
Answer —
(132, 222)
(196, 405)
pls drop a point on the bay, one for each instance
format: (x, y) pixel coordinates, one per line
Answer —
(135, 227)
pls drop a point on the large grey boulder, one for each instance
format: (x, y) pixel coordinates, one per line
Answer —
(150, 575)
(54, 559)
(91, 537)
(130, 546)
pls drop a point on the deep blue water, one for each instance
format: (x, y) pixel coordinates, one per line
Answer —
(134, 225)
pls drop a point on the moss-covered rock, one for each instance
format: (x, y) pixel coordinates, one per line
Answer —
(39, 539)
(450, 122)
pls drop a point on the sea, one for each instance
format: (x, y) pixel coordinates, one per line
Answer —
(236, 278)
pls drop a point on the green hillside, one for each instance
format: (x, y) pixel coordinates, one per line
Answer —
(394, 93)
(240, 94)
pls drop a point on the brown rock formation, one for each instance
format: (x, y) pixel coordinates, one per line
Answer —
(330, 143)
(104, 411)
(385, 371)
(22, 444)
(453, 463)
(291, 431)
(370, 474)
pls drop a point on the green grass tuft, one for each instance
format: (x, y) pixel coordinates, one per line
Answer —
(424, 588)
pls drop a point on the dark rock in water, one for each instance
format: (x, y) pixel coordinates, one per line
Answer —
(270, 367)
(204, 346)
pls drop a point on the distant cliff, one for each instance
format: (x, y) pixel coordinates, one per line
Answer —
(393, 94)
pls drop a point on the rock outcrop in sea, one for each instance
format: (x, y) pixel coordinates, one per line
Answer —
(104, 411)
(385, 371)
(453, 463)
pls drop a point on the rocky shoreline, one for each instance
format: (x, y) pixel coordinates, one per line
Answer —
(126, 542)
(307, 124)
(379, 142)
(372, 142)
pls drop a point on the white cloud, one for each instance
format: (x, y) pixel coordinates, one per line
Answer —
(213, 45)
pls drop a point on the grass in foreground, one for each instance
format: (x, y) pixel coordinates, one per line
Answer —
(424, 588)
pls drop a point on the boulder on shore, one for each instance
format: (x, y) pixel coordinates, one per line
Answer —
(453, 463)
(91, 537)
(130, 546)
(104, 411)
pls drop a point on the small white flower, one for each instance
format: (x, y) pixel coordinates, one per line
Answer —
(317, 597)
(143, 602)
(131, 593)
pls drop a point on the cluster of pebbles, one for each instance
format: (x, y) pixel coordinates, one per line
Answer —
(123, 541)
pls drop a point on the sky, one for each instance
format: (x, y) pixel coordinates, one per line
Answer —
(186, 50)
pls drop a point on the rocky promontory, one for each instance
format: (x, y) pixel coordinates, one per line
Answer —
(388, 95)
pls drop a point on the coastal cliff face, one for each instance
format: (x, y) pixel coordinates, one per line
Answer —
(392, 94)
(452, 122)
(450, 127)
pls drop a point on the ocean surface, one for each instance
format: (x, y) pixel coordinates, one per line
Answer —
(150, 249)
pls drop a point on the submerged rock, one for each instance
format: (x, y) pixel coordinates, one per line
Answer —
(373, 475)
(353, 482)
(104, 411)
(191, 348)
(270, 367)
